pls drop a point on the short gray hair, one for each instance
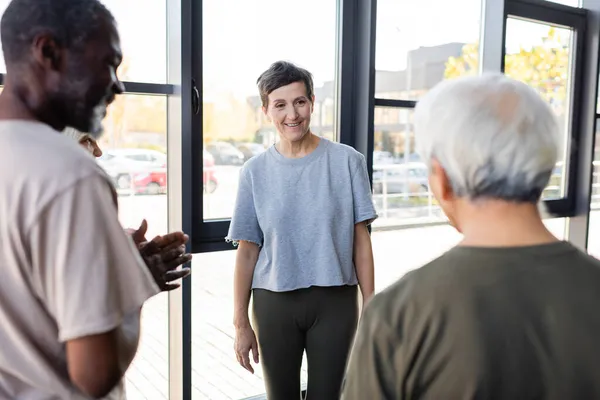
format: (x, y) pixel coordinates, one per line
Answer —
(495, 137)
(283, 73)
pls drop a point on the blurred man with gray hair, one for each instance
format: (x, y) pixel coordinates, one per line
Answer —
(511, 311)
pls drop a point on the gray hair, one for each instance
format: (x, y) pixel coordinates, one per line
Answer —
(283, 73)
(495, 137)
(70, 22)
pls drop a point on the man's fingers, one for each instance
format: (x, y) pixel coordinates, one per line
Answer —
(143, 228)
(168, 256)
(171, 265)
(170, 286)
(139, 235)
(175, 275)
(170, 238)
(149, 249)
(174, 246)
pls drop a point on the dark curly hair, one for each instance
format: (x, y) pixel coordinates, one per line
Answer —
(70, 22)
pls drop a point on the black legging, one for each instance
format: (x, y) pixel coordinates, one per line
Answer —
(321, 320)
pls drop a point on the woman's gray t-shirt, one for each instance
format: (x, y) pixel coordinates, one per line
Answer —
(302, 212)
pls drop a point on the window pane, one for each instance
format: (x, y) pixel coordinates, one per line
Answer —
(400, 188)
(540, 55)
(143, 40)
(136, 126)
(412, 56)
(400, 184)
(254, 37)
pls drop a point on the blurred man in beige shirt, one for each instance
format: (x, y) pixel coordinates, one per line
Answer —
(73, 282)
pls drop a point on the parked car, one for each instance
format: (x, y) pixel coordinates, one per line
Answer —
(250, 150)
(225, 153)
(209, 180)
(400, 178)
(129, 171)
(382, 157)
(146, 170)
(146, 156)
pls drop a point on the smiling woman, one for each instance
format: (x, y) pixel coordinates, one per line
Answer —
(287, 96)
(303, 288)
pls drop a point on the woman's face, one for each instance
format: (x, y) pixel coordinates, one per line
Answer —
(290, 109)
(91, 145)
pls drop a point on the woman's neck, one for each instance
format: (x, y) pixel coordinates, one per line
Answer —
(299, 148)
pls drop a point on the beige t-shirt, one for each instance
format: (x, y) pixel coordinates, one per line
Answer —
(514, 323)
(68, 269)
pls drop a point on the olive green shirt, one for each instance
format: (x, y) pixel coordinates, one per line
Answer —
(484, 323)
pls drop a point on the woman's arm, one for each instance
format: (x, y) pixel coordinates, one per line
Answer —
(245, 339)
(246, 257)
(363, 261)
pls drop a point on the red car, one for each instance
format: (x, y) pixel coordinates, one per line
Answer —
(145, 171)
(155, 181)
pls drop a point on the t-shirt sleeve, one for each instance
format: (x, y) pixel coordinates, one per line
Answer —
(371, 372)
(364, 208)
(89, 271)
(244, 222)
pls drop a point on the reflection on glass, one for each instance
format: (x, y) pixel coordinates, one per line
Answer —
(256, 35)
(540, 55)
(134, 146)
(411, 56)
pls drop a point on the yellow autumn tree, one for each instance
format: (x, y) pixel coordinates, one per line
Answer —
(544, 67)
(133, 113)
(115, 121)
(227, 117)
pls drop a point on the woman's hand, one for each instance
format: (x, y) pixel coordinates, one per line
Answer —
(245, 341)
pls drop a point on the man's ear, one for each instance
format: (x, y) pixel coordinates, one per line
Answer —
(47, 53)
(440, 182)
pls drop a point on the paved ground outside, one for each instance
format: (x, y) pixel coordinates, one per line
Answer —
(216, 374)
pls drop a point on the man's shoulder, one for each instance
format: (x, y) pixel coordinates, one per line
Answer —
(416, 290)
(39, 151)
(37, 163)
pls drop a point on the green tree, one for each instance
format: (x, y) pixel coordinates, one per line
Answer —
(544, 67)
